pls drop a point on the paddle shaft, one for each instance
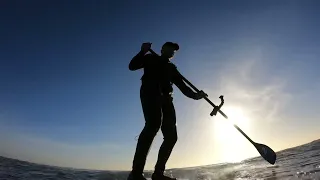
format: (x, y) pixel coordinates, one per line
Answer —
(211, 103)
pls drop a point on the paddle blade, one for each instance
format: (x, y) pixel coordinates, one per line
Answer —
(266, 152)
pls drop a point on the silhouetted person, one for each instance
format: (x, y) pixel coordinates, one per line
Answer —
(156, 99)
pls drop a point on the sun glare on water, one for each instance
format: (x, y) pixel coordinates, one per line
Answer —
(232, 145)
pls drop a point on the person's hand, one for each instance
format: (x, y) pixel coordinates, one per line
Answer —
(200, 95)
(145, 47)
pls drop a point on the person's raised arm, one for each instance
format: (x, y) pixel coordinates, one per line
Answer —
(137, 61)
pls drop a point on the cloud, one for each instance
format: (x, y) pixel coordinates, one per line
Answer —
(247, 81)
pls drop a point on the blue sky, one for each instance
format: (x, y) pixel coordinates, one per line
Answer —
(69, 99)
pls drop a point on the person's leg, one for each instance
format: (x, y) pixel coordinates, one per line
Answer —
(151, 106)
(169, 132)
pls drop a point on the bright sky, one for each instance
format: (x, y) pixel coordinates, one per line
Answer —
(67, 97)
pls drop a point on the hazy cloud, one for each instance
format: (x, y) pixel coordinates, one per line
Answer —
(247, 82)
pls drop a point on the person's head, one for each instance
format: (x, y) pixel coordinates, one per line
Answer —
(168, 49)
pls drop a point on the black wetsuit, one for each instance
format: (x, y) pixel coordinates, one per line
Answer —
(159, 112)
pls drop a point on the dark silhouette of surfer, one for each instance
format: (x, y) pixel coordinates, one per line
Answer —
(156, 98)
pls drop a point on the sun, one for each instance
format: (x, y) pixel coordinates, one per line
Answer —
(228, 138)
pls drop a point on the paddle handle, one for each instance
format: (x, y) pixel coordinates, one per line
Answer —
(244, 134)
(206, 98)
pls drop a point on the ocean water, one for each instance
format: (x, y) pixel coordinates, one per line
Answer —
(302, 162)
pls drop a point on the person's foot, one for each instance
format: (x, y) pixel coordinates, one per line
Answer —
(135, 176)
(157, 176)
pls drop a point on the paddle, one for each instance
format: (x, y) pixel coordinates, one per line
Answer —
(266, 152)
